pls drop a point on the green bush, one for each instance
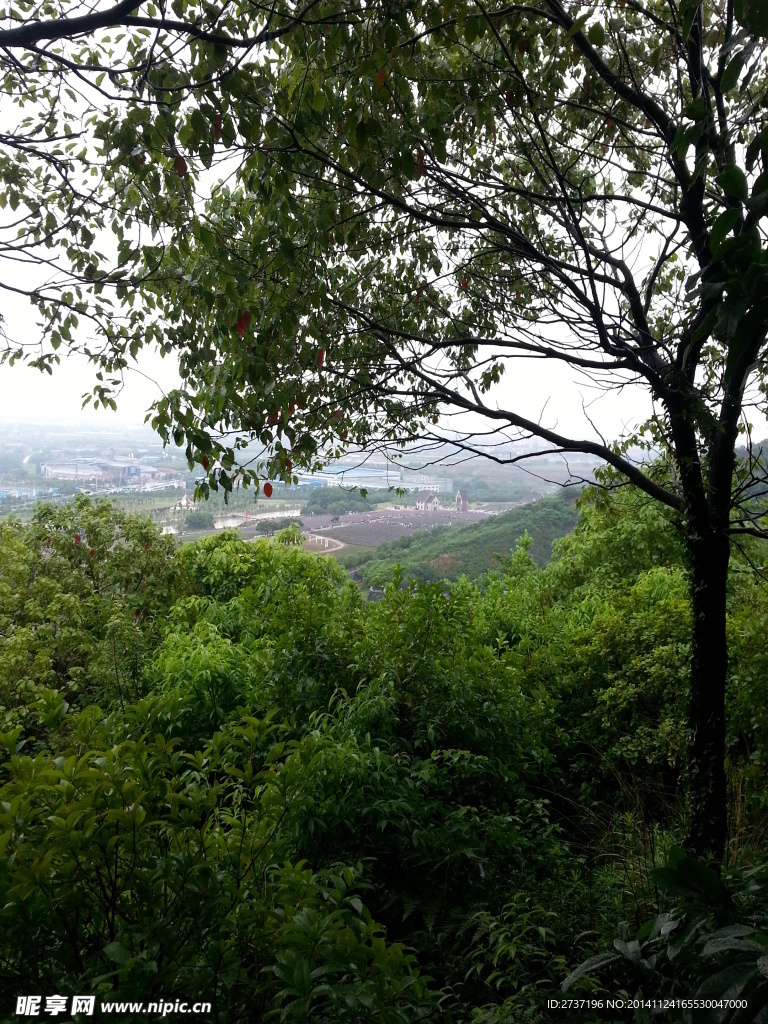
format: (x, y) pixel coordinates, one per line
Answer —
(265, 791)
(710, 946)
(84, 593)
(201, 520)
(136, 869)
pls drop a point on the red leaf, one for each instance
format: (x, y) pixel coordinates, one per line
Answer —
(320, 356)
(180, 166)
(380, 78)
(218, 124)
(267, 490)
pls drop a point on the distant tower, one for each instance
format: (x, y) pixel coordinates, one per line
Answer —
(461, 501)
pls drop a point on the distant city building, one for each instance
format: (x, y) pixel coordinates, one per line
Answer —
(116, 472)
(72, 471)
(27, 492)
(461, 501)
(373, 477)
(427, 502)
(354, 476)
(435, 484)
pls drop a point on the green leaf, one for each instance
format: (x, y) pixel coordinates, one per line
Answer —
(752, 15)
(733, 181)
(705, 326)
(361, 133)
(596, 34)
(288, 249)
(407, 164)
(757, 204)
(116, 951)
(724, 223)
(199, 123)
(691, 878)
(206, 154)
(577, 25)
(731, 74)
(728, 983)
(228, 132)
(688, 9)
(589, 965)
(727, 944)
(472, 29)
(631, 950)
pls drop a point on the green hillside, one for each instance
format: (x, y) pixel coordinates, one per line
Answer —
(226, 776)
(449, 552)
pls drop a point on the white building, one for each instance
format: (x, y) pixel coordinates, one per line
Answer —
(427, 502)
(421, 481)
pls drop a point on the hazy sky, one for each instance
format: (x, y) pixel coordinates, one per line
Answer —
(536, 389)
(27, 394)
(528, 387)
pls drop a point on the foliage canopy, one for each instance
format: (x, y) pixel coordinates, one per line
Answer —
(268, 794)
(409, 199)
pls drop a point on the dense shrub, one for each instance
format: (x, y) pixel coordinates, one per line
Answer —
(266, 792)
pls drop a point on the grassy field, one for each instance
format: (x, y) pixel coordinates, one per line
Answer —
(451, 552)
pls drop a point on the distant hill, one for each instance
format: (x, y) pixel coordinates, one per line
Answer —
(448, 552)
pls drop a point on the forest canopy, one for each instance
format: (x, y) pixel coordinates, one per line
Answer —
(350, 223)
(226, 776)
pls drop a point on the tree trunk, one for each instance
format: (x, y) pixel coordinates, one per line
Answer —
(707, 836)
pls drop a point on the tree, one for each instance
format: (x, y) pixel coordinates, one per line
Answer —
(98, 148)
(422, 193)
(200, 520)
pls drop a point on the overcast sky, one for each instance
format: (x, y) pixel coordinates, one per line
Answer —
(528, 387)
(535, 388)
(27, 394)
